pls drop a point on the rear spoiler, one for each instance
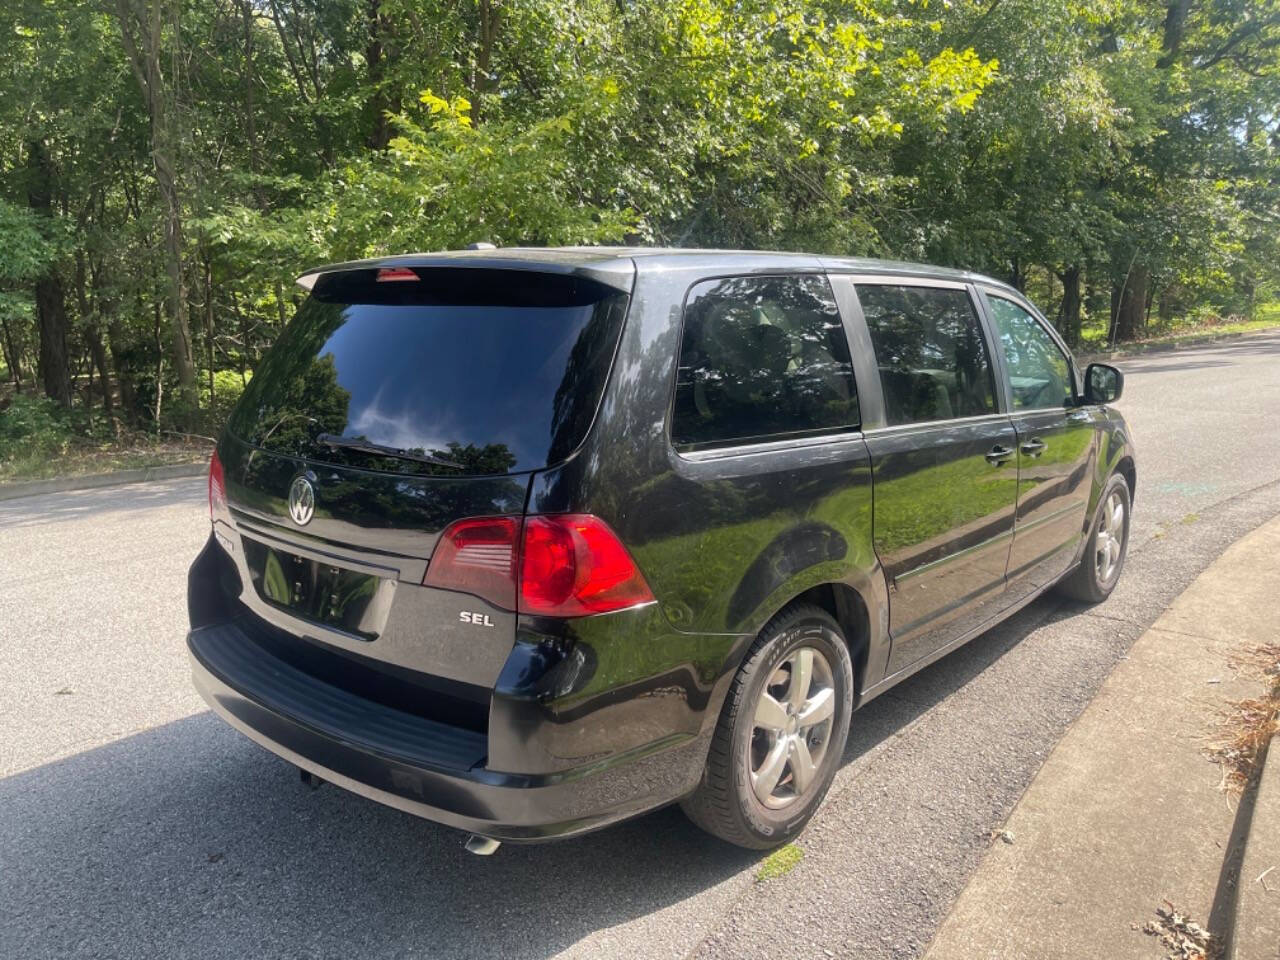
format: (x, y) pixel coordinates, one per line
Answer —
(612, 268)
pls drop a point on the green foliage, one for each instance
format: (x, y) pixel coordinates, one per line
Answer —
(1048, 144)
(26, 251)
(34, 427)
(228, 386)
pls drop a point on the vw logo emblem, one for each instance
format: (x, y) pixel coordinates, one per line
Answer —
(302, 501)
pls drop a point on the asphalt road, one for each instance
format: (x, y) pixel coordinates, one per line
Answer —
(134, 824)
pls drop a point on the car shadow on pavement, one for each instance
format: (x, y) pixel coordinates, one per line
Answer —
(189, 840)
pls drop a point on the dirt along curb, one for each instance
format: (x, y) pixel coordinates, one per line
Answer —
(1126, 836)
(31, 488)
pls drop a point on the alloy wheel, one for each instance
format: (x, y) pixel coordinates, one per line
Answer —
(791, 727)
(1109, 544)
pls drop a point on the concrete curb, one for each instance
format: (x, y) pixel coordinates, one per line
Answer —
(1126, 812)
(1255, 931)
(32, 488)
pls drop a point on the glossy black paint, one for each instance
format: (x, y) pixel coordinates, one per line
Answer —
(914, 537)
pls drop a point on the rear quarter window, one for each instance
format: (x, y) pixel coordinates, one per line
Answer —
(761, 358)
(485, 371)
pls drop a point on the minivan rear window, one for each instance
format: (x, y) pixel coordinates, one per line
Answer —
(464, 372)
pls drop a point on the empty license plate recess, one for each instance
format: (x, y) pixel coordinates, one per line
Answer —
(319, 591)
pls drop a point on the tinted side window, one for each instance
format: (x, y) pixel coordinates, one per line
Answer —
(761, 357)
(932, 356)
(1039, 371)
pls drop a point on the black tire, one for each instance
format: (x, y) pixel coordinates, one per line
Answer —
(1087, 582)
(725, 803)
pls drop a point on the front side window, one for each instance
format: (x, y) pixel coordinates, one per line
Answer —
(760, 358)
(932, 356)
(1039, 372)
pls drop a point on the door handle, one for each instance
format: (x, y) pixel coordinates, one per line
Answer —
(1033, 447)
(998, 455)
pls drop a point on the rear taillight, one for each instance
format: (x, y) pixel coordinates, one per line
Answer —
(566, 565)
(217, 486)
(478, 555)
(572, 565)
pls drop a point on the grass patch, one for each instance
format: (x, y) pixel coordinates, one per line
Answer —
(79, 461)
(779, 863)
(1093, 336)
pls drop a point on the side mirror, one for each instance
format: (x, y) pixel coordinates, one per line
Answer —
(1103, 383)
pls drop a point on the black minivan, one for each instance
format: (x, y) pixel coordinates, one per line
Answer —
(527, 541)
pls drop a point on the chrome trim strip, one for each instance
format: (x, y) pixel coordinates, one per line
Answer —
(770, 446)
(959, 554)
(934, 424)
(891, 280)
(1040, 521)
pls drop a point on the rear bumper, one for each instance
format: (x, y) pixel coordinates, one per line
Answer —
(419, 765)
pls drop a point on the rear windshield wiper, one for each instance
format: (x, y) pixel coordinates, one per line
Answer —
(378, 450)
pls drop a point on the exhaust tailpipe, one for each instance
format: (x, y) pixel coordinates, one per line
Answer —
(482, 846)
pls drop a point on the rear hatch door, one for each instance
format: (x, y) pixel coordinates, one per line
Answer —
(405, 399)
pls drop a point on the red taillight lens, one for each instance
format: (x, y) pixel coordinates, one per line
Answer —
(567, 565)
(217, 485)
(478, 556)
(572, 565)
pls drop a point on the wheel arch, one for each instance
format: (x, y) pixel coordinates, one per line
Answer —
(849, 609)
(1129, 471)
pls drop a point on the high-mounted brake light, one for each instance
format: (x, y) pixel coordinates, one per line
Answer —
(567, 565)
(217, 485)
(395, 274)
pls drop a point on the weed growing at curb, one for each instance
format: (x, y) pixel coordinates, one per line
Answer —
(1181, 936)
(779, 863)
(1248, 725)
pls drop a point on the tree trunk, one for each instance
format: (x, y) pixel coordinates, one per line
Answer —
(98, 353)
(141, 30)
(124, 376)
(159, 368)
(1071, 302)
(1129, 301)
(99, 307)
(379, 104)
(1175, 23)
(488, 34)
(11, 357)
(51, 304)
(51, 314)
(208, 319)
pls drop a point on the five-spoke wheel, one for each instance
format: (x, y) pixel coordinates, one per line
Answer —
(1109, 544)
(792, 727)
(779, 739)
(1099, 570)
